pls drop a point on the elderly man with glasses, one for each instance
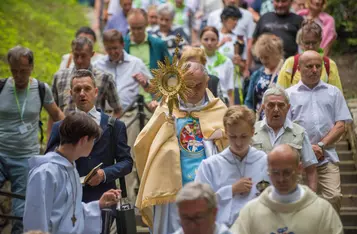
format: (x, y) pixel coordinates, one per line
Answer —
(276, 129)
(197, 207)
(286, 206)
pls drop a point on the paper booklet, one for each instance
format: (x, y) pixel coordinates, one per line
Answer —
(85, 179)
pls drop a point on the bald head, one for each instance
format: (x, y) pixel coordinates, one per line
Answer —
(197, 69)
(308, 55)
(284, 168)
(310, 66)
(197, 80)
(284, 152)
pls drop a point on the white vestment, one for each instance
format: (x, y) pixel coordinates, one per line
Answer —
(221, 171)
(53, 190)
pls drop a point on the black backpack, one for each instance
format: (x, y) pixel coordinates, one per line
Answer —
(42, 92)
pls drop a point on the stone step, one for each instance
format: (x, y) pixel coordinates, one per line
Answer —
(348, 165)
(349, 218)
(349, 188)
(350, 229)
(142, 230)
(342, 146)
(345, 155)
(348, 177)
(349, 200)
(352, 105)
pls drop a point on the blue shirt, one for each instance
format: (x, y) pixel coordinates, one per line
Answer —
(118, 22)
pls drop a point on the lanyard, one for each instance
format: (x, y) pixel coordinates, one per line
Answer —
(21, 111)
(240, 88)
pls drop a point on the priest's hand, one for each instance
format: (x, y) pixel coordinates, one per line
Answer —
(97, 178)
(109, 198)
(242, 186)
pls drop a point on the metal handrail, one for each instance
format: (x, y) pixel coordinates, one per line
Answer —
(14, 195)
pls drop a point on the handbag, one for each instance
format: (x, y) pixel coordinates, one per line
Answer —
(125, 212)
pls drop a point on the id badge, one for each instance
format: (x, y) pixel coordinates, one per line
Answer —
(24, 128)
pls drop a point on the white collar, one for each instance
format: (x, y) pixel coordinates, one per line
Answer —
(126, 58)
(287, 124)
(189, 107)
(93, 113)
(287, 198)
(321, 84)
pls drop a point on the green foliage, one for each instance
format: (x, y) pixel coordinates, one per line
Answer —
(45, 26)
(345, 15)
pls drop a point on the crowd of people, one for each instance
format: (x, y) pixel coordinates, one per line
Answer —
(255, 139)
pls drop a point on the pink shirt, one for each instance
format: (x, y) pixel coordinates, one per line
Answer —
(327, 23)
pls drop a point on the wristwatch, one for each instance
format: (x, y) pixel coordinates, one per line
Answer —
(321, 145)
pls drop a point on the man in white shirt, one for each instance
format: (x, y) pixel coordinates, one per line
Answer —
(322, 110)
(131, 77)
(245, 28)
(276, 129)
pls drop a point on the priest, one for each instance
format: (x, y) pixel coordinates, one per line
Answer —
(171, 147)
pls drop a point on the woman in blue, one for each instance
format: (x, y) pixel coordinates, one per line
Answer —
(270, 51)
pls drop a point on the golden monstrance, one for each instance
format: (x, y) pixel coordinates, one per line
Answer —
(168, 82)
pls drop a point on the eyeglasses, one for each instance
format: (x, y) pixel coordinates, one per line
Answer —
(286, 173)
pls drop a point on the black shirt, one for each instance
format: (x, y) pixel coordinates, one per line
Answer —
(283, 26)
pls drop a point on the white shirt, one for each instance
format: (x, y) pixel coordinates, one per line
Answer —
(308, 157)
(245, 26)
(122, 72)
(227, 48)
(94, 114)
(225, 73)
(317, 110)
(222, 170)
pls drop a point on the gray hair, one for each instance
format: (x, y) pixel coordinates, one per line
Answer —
(81, 73)
(277, 91)
(166, 8)
(193, 66)
(17, 52)
(81, 42)
(194, 191)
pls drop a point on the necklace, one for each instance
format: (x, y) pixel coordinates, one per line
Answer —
(244, 164)
(73, 219)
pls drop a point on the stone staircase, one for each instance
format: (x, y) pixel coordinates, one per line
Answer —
(347, 151)
(349, 187)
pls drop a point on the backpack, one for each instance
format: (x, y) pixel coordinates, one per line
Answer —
(42, 92)
(296, 62)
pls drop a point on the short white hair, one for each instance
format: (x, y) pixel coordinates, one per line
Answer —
(166, 8)
(193, 66)
(277, 91)
(194, 191)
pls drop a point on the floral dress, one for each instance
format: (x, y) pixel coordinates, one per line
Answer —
(259, 90)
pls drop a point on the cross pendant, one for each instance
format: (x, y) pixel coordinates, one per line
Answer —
(73, 220)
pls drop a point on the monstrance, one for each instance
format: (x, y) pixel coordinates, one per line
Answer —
(168, 82)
